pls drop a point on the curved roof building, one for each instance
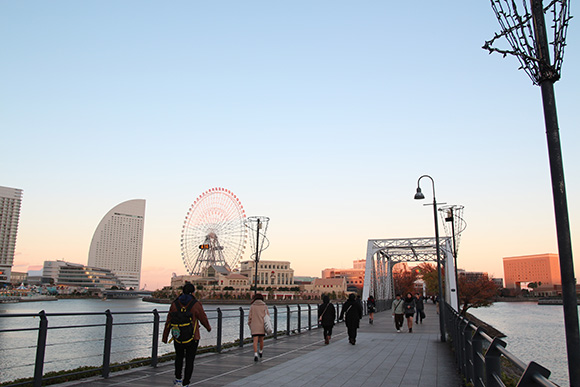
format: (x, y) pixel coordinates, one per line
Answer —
(117, 244)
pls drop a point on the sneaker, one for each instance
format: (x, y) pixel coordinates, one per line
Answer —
(398, 330)
(260, 354)
(326, 341)
(256, 359)
(177, 382)
(410, 330)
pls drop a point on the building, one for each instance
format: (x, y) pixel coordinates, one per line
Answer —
(327, 286)
(10, 201)
(521, 270)
(270, 273)
(117, 244)
(355, 277)
(74, 274)
(18, 278)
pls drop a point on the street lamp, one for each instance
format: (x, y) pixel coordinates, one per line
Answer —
(418, 196)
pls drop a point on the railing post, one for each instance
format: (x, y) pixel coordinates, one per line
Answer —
(532, 370)
(463, 344)
(299, 318)
(493, 364)
(40, 349)
(155, 343)
(478, 360)
(219, 331)
(309, 318)
(275, 323)
(468, 335)
(241, 327)
(288, 319)
(107, 349)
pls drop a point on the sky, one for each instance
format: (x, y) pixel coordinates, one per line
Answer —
(320, 115)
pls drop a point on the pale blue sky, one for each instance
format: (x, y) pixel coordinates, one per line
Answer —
(320, 115)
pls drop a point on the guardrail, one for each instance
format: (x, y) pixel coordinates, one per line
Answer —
(479, 356)
(296, 318)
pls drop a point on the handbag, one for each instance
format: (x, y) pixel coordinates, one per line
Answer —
(268, 324)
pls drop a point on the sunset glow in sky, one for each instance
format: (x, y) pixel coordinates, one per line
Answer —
(320, 115)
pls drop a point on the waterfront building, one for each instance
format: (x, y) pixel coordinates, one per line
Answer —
(74, 274)
(18, 278)
(544, 268)
(117, 244)
(354, 276)
(270, 273)
(10, 201)
(327, 286)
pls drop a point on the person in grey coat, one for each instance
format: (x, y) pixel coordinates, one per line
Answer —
(420, 309)
(398, 312)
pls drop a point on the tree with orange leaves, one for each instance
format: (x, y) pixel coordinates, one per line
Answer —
(476, 291)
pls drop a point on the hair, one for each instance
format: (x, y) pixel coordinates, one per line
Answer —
(407, 295)
(257, 296)
(188, 288)
(398, 295)
(351, 296)
(325, 299)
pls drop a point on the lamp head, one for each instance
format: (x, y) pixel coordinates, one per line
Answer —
(419, 195)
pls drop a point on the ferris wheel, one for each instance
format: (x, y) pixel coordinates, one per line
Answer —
(214, 231)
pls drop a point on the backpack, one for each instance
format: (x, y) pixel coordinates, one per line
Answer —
(182, 324)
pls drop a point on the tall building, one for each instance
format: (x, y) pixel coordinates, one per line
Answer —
(544, 268)
(117, 244)
(10, 200)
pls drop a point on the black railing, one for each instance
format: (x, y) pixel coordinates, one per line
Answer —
(297, 319)
(479, 356)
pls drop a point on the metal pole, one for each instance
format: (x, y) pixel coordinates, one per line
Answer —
(439, 278)
(40, 349)
(155, 342)
(455, 258)
(257, 257)
(569, 300)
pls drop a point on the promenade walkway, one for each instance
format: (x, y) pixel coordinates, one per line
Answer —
(381, 357)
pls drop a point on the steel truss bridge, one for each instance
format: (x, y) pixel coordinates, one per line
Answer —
(383, 254)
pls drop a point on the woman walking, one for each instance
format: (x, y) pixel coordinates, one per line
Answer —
(371, 305)
(352, 313)
(409, 308)
(398, 312)
(326, 317)
(258, 310)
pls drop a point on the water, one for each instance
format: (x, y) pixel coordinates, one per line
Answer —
(534, 333)
(69, 348)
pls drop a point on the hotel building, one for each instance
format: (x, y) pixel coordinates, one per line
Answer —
(10, 200)
(270, 273)
(117, 244)
(544, 268)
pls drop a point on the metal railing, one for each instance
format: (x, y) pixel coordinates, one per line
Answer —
(296, 318)
(479, 356)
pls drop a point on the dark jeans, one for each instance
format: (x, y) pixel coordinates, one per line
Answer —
(399, 319)
(351, 332)
(419, 316)
(327, 330)
(188, 352)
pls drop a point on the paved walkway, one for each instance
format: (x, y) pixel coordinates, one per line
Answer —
(381, 357)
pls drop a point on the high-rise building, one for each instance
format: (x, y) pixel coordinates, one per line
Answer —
(10, 200)
(544, 268)
(117, 244)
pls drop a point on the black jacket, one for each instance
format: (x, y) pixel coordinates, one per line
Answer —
(409, 306)
(328, 314)
(352, 313)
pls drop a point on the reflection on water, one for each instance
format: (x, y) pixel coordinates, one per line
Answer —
(69, 348)
(534, 333)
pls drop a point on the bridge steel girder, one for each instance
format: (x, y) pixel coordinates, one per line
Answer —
(383, 254)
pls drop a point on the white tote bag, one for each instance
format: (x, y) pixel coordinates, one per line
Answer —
(268, 324)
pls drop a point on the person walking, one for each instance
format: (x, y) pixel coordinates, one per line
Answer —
(351, 313)
(420, 309)
(398, 312)
(258, 310)
(409, 308)
(183, 319)
(326, 317)
(371, 306)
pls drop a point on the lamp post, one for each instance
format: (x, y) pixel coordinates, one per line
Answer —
(418, 196)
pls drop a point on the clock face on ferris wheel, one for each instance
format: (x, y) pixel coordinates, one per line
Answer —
(214, 231)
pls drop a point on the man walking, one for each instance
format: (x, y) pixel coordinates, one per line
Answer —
(183, 319)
